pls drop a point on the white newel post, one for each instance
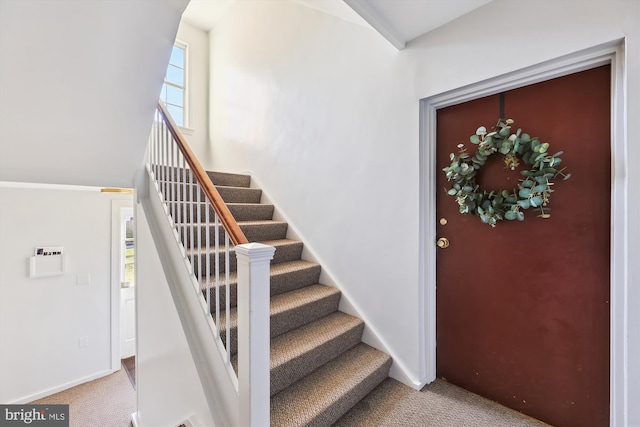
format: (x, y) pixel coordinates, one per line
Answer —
(253, 333)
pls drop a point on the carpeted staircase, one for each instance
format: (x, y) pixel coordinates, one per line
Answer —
(319, 366)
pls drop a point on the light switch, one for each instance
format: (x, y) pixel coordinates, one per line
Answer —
(83, 279)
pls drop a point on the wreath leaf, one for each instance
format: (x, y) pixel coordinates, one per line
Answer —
(532, 191)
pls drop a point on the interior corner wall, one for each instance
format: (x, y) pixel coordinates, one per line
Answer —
(169, 389)
(197, 132)
(43, 319)
(321, 112)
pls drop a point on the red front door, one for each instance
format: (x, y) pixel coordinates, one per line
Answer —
(523, 308)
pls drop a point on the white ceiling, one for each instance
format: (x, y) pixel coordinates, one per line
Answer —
(399, 21)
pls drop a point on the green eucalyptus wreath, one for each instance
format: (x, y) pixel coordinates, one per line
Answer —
(533, 191)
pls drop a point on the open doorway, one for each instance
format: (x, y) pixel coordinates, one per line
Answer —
(123, 265)
(127, 293)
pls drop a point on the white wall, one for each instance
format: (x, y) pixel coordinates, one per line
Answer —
(79, 82)
(169, 390)
(197, 130)
(322, 112)
(43, 319)
(325, 114)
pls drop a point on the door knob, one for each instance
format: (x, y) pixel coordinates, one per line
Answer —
(443, 242)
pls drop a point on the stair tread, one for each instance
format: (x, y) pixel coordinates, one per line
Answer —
(239, 188)
(242, 180)
(287, 301)
(262, 222)
(278, 269)
(304, 401)
(194, 183)
(298, 297)
(275, 243)
(240, 204)
(247, 204)
(295, 343)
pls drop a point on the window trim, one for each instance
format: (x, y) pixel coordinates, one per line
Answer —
(186, 85)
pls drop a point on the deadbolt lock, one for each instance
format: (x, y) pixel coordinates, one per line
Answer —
(443, 242)
(443, 221)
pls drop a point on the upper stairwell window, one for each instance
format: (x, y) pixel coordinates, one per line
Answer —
(174, 88)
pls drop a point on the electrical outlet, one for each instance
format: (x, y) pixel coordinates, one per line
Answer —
(83, 342)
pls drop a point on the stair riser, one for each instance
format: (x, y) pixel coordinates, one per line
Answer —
(263, 232)
(233, 295)
(304, 314)
(241, 212)
(283, 253)
(342, 406)
(200, 265)
(200, 240)
(172, 192)
(251, 212)
(180, 191)
(286, 374)
(240, 195)
(167, 173)
(295, 279)
(230, 179)
(280, 283)
(253, 233)
(190, 211)
(298, 317)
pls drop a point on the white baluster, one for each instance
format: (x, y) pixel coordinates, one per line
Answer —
(217, 268)
(228, 294)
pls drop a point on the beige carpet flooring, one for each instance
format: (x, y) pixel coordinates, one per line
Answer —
(110, 401)
(106, 402)
(439, 404)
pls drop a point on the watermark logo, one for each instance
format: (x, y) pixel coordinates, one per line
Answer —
(34, 415)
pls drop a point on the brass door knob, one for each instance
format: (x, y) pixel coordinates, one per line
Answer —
(443, 242)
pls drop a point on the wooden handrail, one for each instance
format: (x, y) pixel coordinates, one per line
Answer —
(226, 218)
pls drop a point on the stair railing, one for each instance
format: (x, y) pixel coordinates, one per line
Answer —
(194, 208)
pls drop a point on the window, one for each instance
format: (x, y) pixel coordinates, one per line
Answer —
(174, 87)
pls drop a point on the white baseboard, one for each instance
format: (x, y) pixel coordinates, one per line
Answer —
(62, 387)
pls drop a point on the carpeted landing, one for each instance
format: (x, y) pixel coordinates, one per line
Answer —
(321, 372)
(106, 402)
(440, 404)
(110, 401)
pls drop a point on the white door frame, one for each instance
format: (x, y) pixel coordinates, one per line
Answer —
(116, 207)
(611, 53)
